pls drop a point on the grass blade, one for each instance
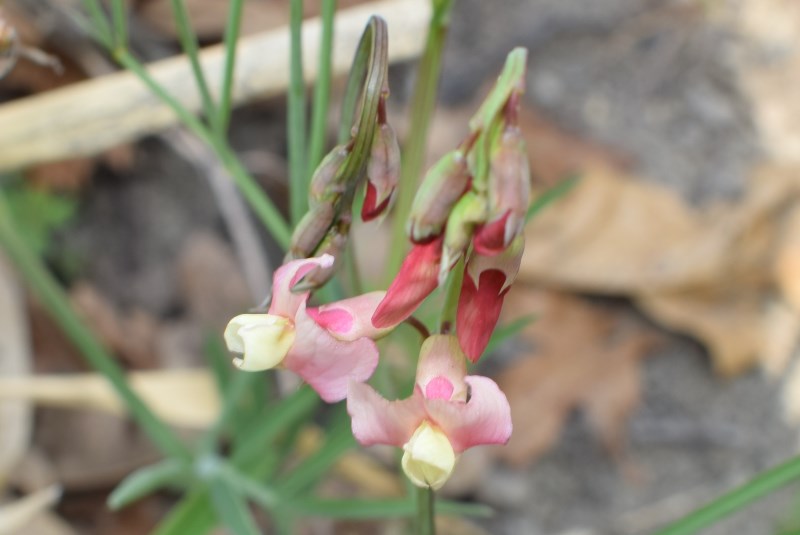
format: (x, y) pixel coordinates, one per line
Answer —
(147, 480)
(322, 89)
(729, 503)
(232, 31)
(551, 195)
(296, 115)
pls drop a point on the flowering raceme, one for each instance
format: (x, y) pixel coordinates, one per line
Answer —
(472, 204)
(448, 413)
(327, 346)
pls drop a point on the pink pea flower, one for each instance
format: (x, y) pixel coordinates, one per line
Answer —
(418, 277)
(290, 336)
(487, 279)
(448, 413)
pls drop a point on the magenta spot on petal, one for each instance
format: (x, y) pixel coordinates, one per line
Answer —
(439, 387)
(335, 320)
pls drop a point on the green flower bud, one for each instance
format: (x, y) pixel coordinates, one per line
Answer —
(325, 185)
(468, 213)
(441, 188)
(310, 231)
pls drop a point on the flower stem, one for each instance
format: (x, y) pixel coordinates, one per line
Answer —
(421, 113)
(451, 295)
(425, 511)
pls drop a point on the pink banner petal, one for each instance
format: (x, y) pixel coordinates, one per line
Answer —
(351, 319)
(441, 358)
(484, 419)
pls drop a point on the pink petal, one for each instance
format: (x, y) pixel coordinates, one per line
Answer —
(478, 311)
(350, 319)
(415, 281)
(441, 363)
(484, 419)
(376, 420)
(284, 302)
(328, 364)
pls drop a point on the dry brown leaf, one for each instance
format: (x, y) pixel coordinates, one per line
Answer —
(701, 270)
(768, 66)
(584, 356)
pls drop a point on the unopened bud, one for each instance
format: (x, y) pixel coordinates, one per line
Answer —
(310, 231)
(325, 184)
(383, 173)
(441, 188)
(468, 213)
(333, 244)
(509, 184)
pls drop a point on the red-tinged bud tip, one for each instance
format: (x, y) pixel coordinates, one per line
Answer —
(369, 210)
(490, 239)
(416, 280)
(478, 311)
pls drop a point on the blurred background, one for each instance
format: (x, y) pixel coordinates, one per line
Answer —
(661, 369)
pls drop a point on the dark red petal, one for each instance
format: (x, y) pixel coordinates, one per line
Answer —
(369, 211)
(489, 239)
(478, 311)
(415, 281)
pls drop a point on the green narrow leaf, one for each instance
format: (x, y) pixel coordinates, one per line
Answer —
(283, 415)
(147, 480)
(188, 40)
(339, 440)
(264, 496)
(755, 489)
(322, 89)
(232, 30)
(193, 514)
(504, 332)
(37, 214)
(219, 362)
(55, 300)
(232, 509)
(551, 195)
(296, 115)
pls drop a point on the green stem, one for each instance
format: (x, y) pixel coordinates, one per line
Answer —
(120, 24)
(57, 304)
(425, 511)
(262, 206)
(232, 30)
(422, 105)
(761, 485)
(100, 25)
(296, 115)
(452, 293)
(189, 44)
(323, 88)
